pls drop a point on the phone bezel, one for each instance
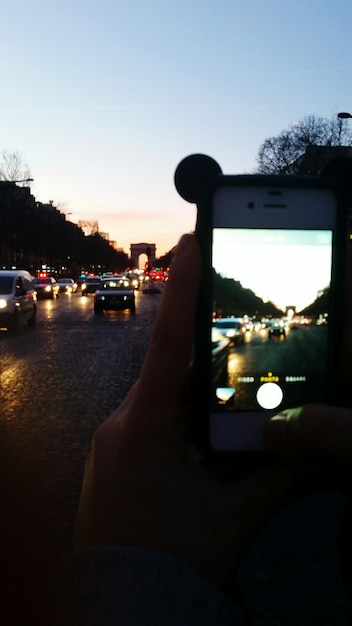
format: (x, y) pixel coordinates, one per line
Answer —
(204, 226)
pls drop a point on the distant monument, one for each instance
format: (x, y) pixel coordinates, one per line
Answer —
(290, 312)
(136, 249)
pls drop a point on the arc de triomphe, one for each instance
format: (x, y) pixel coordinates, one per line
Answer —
(136, 249)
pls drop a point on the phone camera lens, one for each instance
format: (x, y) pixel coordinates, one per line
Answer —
(251, 205)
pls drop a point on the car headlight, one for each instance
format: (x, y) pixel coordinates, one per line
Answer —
(48, 288)
(3, 303)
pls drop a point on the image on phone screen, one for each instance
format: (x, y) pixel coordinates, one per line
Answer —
(270, 318)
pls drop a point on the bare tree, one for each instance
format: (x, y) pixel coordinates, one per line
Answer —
(305, 146)
(13, 167)
(89, 227)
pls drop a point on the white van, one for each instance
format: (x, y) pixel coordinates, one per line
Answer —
(18, 299)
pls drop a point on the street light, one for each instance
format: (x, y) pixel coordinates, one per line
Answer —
(27, 180)
(344, 115)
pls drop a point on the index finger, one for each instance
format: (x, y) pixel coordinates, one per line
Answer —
(168, 356)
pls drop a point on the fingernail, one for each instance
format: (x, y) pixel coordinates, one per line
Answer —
(275, 431)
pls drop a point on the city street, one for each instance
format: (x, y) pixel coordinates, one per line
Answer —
(60, 379)
(301, 352)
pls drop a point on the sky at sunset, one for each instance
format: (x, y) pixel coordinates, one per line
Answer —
(104, 98)
(272, 263)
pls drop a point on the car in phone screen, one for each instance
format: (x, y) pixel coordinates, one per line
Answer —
(233, 328)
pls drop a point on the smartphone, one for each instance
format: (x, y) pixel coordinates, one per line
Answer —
(269, 321)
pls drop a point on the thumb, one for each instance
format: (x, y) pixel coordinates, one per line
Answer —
(312, 429)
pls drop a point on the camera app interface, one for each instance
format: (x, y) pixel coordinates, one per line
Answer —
(270, 314)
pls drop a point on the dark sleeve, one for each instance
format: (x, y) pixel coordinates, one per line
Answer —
(123, 586)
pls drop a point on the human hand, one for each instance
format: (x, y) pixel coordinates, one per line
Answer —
(311, 431)
(140, 488)
(321, 437)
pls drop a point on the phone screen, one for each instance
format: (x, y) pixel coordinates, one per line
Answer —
(270, 319)
(272, 260)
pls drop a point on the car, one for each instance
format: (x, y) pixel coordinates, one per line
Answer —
(18, 299)
(90, 285)
(219, 356)
(276, 328)
(67, 285)
(114, 294)
(231, 327)
(134, 278)
(46, 287)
